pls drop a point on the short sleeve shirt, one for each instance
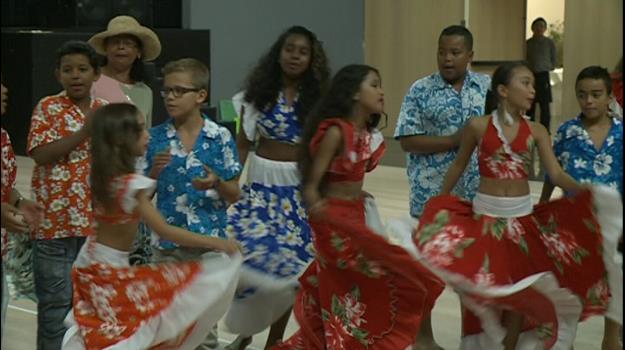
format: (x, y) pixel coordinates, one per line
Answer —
(203, 212)
(433, 107)
(9, 173)
(580, 158)
(62, 187)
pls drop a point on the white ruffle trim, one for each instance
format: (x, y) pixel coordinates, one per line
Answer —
(607, 202)
(204, 301)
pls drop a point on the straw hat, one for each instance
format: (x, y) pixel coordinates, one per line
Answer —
(128, 25)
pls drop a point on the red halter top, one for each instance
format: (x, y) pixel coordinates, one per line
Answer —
(500, 159)
(361, 152)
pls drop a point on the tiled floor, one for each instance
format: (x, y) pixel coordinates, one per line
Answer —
(388, 184)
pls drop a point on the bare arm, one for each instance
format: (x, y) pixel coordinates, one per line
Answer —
(424, 144)
(548, 188)
(328, 148)
(467, 145)
(229, 190)
(155, 221)
(557, 175)
(53, 151)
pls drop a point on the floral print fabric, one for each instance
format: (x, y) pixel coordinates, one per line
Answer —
(178, 201)
(433, 107)
(9, 173)
(583, 161)
(62, 187)
(561, 236)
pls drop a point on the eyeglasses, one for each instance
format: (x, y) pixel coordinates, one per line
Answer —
(177, 91)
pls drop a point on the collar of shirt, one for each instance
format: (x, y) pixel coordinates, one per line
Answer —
(210, 129)
(469, 80)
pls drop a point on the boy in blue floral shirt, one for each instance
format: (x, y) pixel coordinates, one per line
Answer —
(430, 121)
(590, 149)
(434, 112)
(195, 163)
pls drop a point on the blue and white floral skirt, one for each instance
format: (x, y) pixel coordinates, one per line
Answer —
(271, 224)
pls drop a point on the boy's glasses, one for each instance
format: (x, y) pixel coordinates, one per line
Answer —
(177, 91)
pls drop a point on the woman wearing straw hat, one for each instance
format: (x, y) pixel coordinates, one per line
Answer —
(126, 44)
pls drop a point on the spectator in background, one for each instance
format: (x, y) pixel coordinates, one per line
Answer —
(125, 45)
(541, 56)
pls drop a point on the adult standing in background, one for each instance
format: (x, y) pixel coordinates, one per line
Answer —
(541, 56)
(126, 45)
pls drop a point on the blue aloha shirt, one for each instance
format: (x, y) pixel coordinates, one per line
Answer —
(433, 107)
(178, 201)
(579, 158)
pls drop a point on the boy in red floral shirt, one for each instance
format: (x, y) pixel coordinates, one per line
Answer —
(58, 142)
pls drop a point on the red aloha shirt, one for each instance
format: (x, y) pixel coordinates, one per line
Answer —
(9, 173)
(62, 187)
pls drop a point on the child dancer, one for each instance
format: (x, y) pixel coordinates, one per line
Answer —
(508, 259)
(169, 305)
(270, 220)
(590, 148)
(360, 292)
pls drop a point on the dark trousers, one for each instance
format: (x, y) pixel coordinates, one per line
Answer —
(542, 98)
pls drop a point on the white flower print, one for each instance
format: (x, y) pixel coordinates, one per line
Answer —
(72, 124)
(579, 163)
(602, 164)
(137, 292)
(286, 206)
(292, 238)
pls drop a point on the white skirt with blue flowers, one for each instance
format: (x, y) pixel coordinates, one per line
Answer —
(271, 224)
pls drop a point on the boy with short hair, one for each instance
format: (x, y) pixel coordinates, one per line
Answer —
(58, 142)
(194, 161)
(590, 149)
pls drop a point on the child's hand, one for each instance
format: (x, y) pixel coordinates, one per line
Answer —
(209, 182)
(229, 246)
(159, 162)
(32, 212)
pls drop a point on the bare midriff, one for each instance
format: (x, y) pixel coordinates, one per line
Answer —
(343, 190)
(504, 188)
(277, 150)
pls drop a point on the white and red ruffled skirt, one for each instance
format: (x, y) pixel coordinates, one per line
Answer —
(555, 263)
(156, 306)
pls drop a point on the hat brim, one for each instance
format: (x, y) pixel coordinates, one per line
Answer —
(151, 46)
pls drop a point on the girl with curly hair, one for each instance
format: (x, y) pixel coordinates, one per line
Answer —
(270, 220)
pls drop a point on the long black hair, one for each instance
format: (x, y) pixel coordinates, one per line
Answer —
(115, 130)
(338, 102)
(265, 81)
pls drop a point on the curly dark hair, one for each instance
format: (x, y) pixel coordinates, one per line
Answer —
(338, 102)
(115, 130)
(264, 83)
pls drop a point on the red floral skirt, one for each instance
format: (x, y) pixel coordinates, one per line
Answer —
(154, 306)
(555, 265)
(360, 292)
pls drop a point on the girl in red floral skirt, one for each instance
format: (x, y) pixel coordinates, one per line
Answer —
(527, 274)
(161, 306)
(360, 292)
